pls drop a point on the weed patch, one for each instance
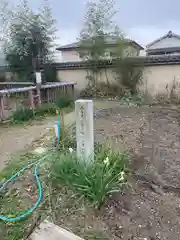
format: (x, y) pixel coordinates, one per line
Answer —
(22, 115)
(96, 180)
(132, 100)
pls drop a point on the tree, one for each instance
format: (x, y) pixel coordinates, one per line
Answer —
(29, 38)
(98, 26)
(128, 72)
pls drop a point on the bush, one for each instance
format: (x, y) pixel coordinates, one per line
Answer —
(22, 115)
(96, 180)
(128, 74)
(25, 114)
(63, 102)
(49, 73)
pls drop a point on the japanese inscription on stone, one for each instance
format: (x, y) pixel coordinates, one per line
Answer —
(84, 129)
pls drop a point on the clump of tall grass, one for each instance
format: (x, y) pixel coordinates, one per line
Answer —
(94, 180)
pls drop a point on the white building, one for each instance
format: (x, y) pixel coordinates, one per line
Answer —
(70, 52)
(165, 45)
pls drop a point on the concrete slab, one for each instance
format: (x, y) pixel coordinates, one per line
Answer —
(50, 231)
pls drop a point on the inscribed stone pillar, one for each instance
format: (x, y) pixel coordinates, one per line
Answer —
(84, 129)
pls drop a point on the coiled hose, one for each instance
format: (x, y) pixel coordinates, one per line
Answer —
(39, 185)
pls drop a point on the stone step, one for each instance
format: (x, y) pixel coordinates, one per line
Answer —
(50, 231)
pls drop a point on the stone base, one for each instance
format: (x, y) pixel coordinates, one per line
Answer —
(50, 231)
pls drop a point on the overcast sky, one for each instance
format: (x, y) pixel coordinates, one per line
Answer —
(141, 20)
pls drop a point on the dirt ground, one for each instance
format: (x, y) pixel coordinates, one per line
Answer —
(150, 208)
(18, 138)
(14, 139)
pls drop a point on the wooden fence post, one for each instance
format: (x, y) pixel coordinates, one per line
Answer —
(31, 99)
(39, 96)
(73, 91)
(48, 96)
(1, 108)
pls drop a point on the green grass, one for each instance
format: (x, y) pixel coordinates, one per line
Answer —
(71, 190)
(15, 199)
(25, 115)
(96, 180)
(22, 115)
(15, 163)
(11, 205)
(11, 201)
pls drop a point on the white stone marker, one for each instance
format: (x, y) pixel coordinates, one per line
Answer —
(50, 231)
(84, 129)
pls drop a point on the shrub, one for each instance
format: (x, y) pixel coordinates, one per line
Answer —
(128, 73)
(63, 102)
(22, 115)
(25, 114)
(96, 180)
(49, 73)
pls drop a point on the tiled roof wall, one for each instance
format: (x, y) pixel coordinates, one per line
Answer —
(147, 60)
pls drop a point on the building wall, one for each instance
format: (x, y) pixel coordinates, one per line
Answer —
(80, 77)
(73, 56)
(70, 56)
(156, 79)
(165, 43)
(159, 79)
(129, 51)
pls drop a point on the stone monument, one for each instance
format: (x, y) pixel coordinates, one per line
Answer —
(84, 129)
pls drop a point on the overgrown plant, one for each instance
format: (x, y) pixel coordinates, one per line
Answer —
(22, 115)
(129, 73)
(96, 40)
(95, 181)
(94, 37)
(132, 100)
(170, 94)
(173, 95)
